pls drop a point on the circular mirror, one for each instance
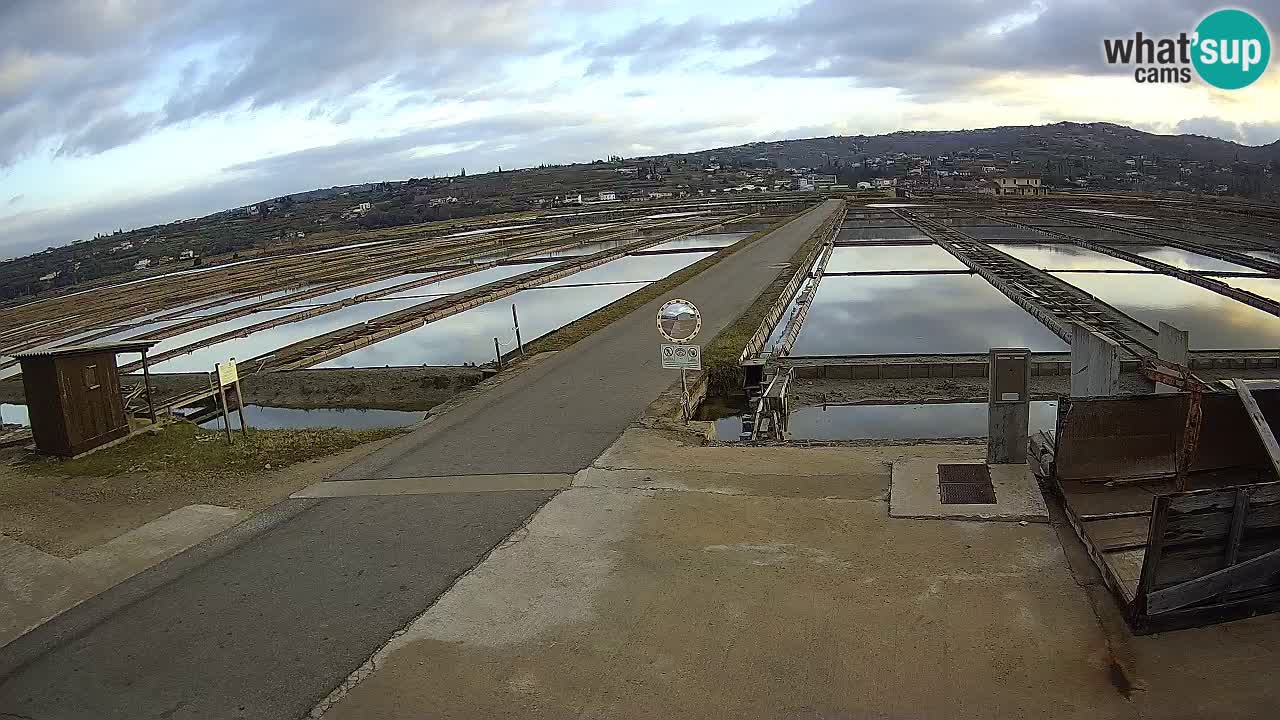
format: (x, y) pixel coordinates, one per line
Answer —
(679, 320)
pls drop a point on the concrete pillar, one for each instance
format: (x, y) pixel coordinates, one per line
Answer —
(1172, 346)
(1095, 364)
(1008, 405)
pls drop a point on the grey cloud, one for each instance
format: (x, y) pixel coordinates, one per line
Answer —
(112, 130)
(16, 199)
(512, 141)
(924, 47)
(1244, 133)
(72, 73)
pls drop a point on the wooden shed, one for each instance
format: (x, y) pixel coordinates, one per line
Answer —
(73, 396)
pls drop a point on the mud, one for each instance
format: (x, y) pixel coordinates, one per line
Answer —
(408, 388)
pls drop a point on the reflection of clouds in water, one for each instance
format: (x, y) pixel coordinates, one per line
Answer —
(468, 336)
(1215, 322)
(1065, 257)
(1185, 259)
(892, 257)
(892, 422)
(916, 314)
(901, 422)
(633, 268)
(983, 232)
(1266, 287)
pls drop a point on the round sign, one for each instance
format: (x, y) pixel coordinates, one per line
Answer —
(679, 320)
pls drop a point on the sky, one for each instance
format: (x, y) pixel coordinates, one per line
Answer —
(127, 113)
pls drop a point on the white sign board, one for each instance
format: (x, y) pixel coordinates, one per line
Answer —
(227, 374)
(681, 357)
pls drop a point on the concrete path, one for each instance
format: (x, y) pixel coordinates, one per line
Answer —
(561, 415)
(675, 581)
(36, 586)
(265, 620)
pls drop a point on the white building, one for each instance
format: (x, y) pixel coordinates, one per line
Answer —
(608, 196)
(187, 255)
(823, 182)
(1018, 185)
(142, 264)
(864, 186)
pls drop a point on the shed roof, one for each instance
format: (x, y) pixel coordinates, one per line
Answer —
(132, 346)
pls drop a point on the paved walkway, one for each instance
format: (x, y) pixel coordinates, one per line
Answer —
(675, 581)
(265, 621)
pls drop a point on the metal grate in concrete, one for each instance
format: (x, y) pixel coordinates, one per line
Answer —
(965, 484)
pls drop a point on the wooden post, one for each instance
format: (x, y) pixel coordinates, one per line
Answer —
(497, 352)
(244, 425)
(226, 416)
(1260, 424)
(516, 320)
(146, 383)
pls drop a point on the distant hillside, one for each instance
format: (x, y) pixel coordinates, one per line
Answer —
(1092, 155)
(1105, 142)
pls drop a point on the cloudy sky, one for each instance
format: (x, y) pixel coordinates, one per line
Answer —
(122, 113)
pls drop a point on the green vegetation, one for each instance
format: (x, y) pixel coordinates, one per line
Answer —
(184, 448)
(720, 358)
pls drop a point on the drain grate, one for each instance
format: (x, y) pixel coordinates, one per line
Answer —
(965, 485)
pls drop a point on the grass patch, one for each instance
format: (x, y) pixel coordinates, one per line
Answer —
(584, 326)
(721, 356)
(183, 448)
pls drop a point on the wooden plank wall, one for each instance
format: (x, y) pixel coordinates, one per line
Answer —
(93, 415)
(1103, 439)
(1198, 537)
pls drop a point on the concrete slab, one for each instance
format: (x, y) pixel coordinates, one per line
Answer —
(618, 602)
(430, 485)
(914, 494)
(164, 537)
(283, 616)
(36, 586)
(842, 487)
(621, 603)
(649, 449)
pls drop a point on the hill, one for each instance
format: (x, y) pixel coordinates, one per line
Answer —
(1093, 155)
(1106, 142)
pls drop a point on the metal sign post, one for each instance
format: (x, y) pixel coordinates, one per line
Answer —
(679, 322)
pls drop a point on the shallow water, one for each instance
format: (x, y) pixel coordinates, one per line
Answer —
(892, 422)
(916, 314)
(881, 258)
(1064, 256)
(1216, 322)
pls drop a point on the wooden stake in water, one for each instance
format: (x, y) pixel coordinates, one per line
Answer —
(516, 320)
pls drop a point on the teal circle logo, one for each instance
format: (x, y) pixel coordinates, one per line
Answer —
(1232, 48)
